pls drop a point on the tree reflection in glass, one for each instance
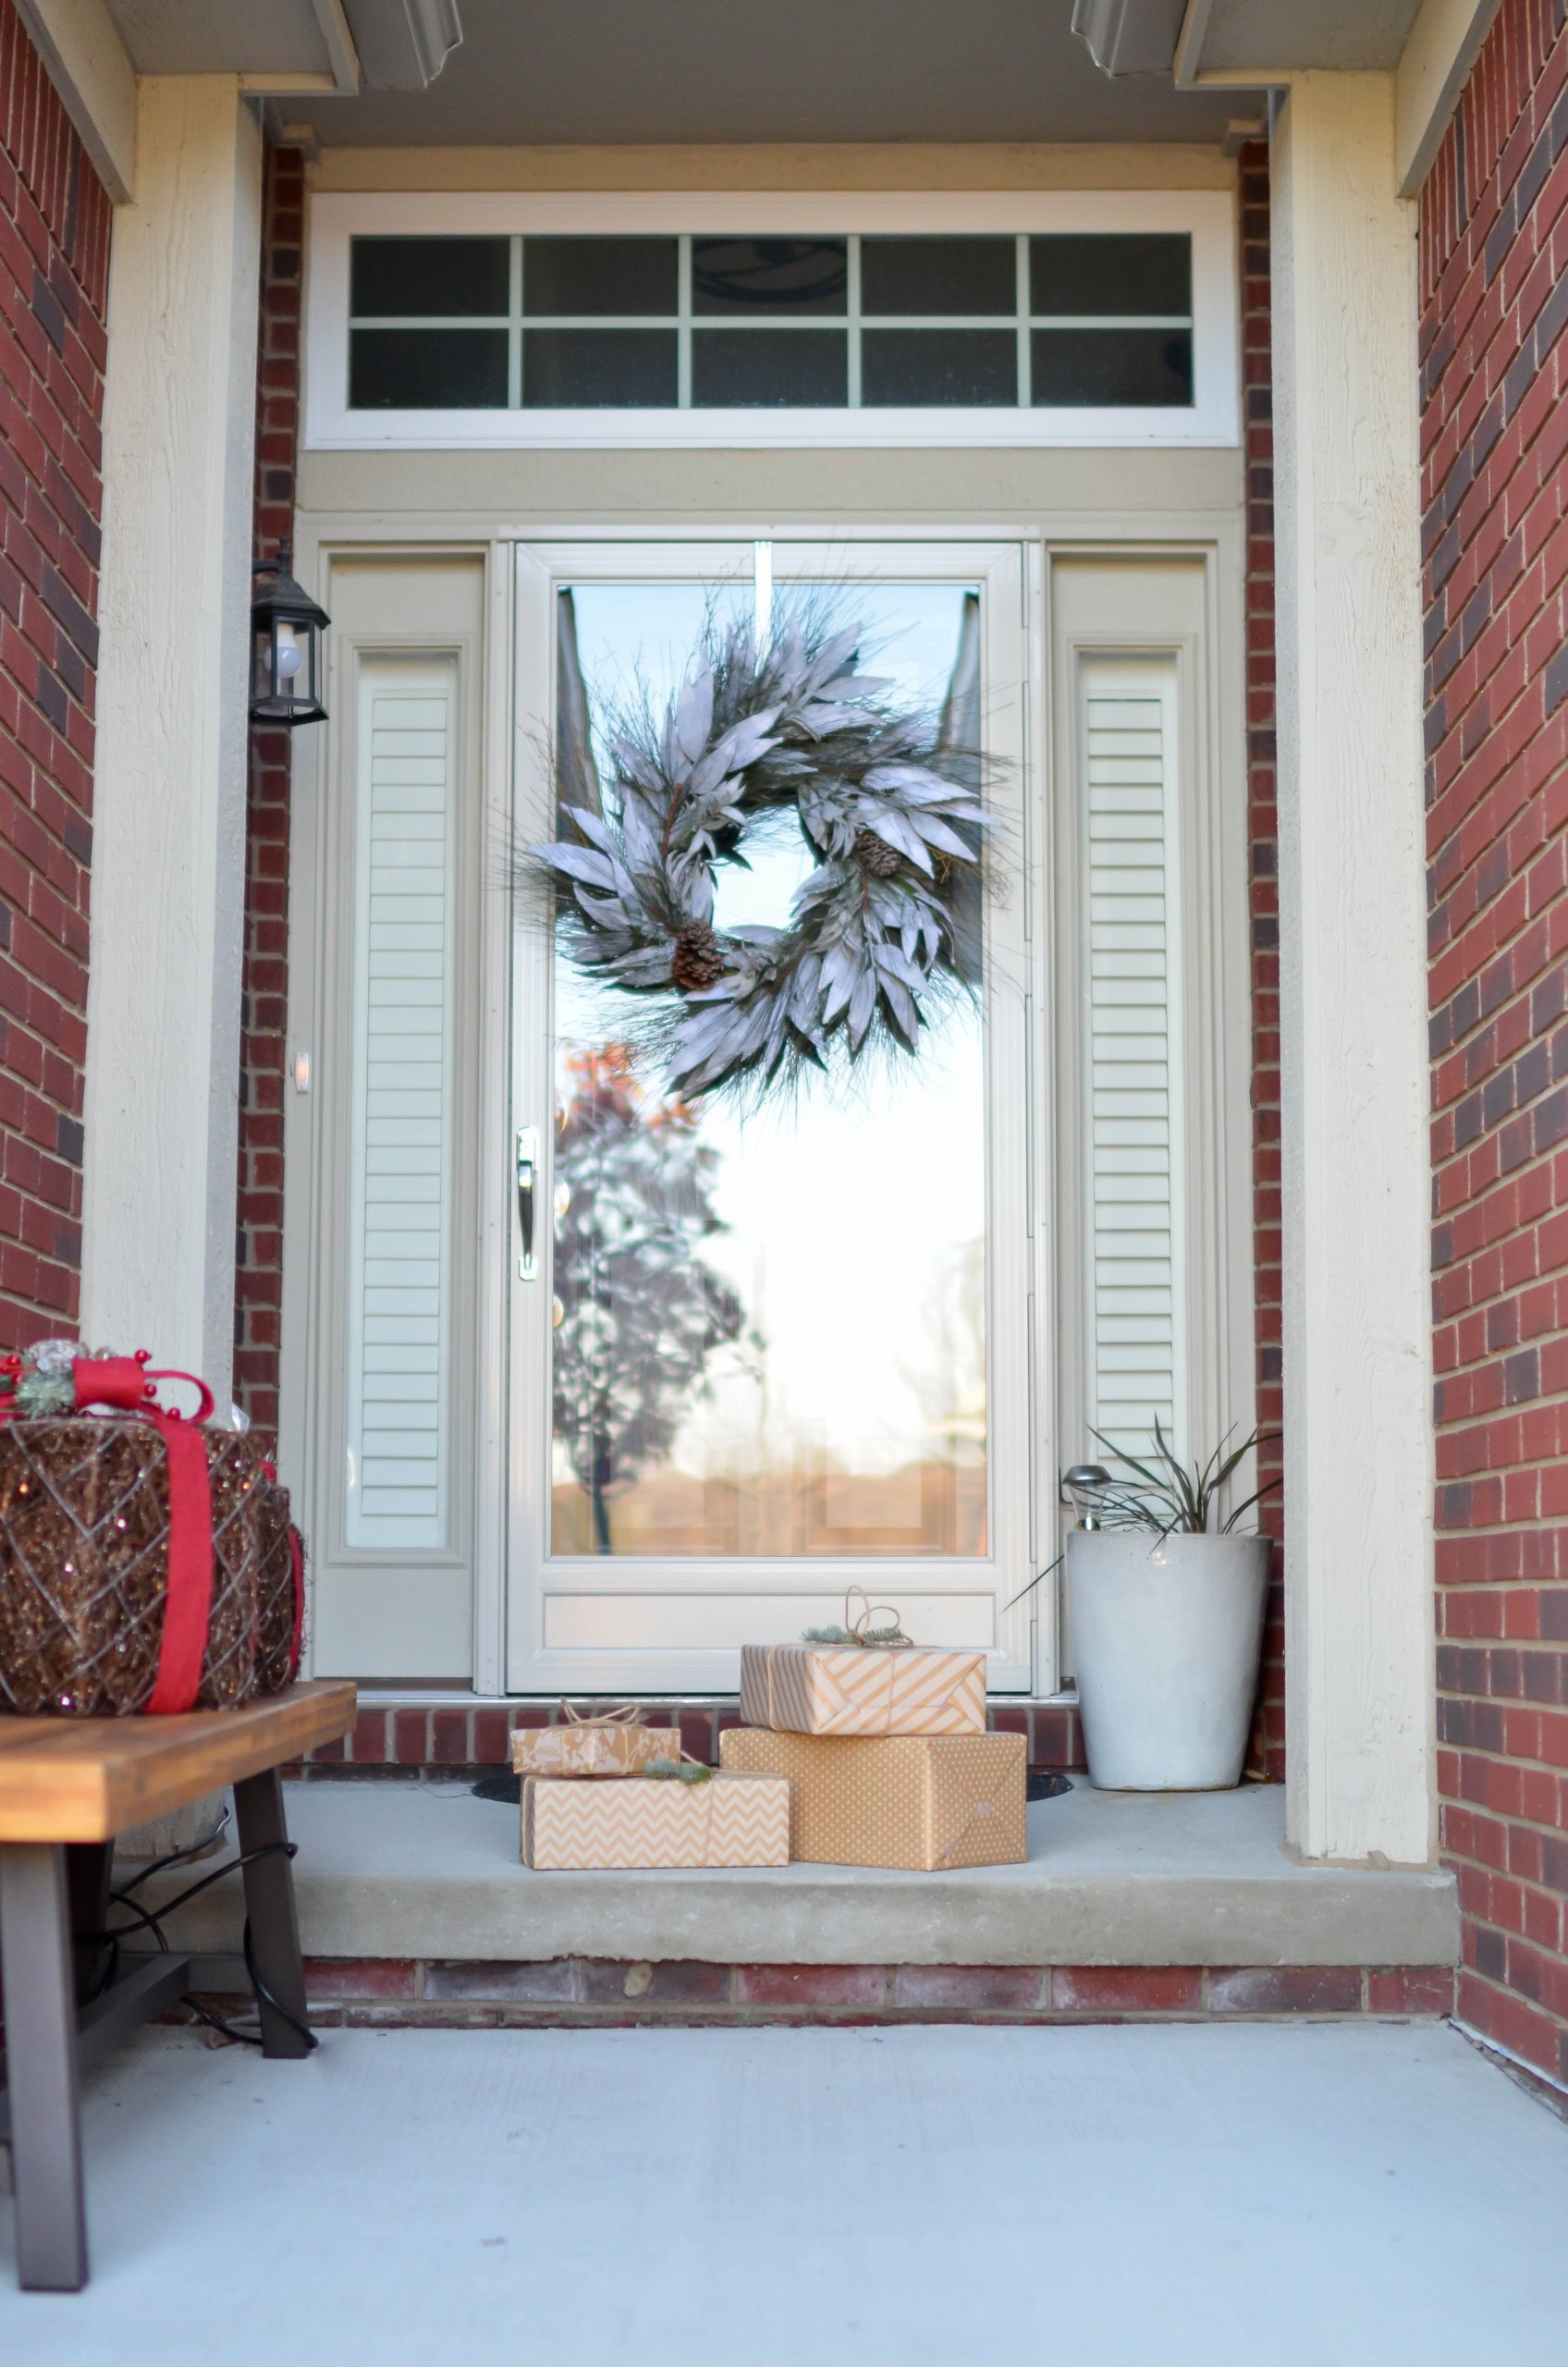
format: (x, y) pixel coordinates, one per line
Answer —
(639, 1313)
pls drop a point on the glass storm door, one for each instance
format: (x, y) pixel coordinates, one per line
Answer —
(767, 1348)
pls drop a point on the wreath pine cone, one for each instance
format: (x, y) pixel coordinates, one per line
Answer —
(698, 959)
(874, 854)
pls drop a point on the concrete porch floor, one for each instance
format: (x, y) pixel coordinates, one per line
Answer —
(1370, 2196)
(403, 1870)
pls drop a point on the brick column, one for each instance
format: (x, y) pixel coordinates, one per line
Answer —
(1494, 372)
(55, 218)
(1265, 1757)
(264, 996)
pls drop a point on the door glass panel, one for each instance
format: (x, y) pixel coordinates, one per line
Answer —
(769, 1322)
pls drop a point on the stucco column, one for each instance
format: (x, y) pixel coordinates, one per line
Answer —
(169, 796)
(1359, 1640)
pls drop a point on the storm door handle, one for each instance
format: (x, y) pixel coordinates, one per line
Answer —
(527, 1197)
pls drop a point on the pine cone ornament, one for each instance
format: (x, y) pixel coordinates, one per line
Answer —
(874, 854)
(698, 959)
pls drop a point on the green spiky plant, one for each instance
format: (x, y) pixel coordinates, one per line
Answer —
(1164, 1497)
(1167, 1496)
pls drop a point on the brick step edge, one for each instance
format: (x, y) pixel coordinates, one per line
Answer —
(448, 1741)
(584, 1991)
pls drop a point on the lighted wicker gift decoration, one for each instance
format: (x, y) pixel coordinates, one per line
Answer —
(147, 1561)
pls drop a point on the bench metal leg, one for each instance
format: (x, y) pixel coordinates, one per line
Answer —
(36, 1965)
(269, 1903)
(88, 1872)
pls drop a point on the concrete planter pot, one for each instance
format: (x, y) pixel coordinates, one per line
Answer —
(1166, 1635)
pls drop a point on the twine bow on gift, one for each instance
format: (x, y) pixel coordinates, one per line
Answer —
(859, 1630)
(623, 1717)
(856, 1632)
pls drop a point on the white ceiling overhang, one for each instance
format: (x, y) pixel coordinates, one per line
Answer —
(283, 47)
(514, 74)
(1428, 46)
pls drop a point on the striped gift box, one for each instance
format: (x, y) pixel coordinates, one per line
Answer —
(730, 1821)
(863, 1689)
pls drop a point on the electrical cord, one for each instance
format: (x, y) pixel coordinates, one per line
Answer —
(146, 1920)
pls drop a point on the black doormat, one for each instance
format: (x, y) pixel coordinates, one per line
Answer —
(1044, 1785)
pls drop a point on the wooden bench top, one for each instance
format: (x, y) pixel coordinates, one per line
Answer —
(86, 1779)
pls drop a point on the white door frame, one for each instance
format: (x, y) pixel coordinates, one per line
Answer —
(390, 541)
(1021, 1442)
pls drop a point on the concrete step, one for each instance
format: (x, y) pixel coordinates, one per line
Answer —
(404, 1869)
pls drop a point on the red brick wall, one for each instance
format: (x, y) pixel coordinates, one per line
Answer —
(55, 219)
(1267, 1756)
(265, 1010)
(1494, 364)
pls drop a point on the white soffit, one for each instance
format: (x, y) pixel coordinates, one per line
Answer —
(289, 47)
(272, 44)
(1236, 39)
(610, 73)
(1429, 46)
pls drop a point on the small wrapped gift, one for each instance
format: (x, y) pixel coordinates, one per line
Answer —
(612, 1743)
(925, 1802)
(862, 1679)
(723, 1820)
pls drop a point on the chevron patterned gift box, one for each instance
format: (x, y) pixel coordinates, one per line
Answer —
(924, 1802)
(730, 1819)
(863, 1689)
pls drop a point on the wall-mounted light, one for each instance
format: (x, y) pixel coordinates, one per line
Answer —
(286, 631)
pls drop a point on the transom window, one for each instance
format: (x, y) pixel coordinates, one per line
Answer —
(687, 322)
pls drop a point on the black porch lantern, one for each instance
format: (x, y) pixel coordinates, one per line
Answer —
(285, 630)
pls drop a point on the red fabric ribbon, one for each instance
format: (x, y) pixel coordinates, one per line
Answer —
(125, 1382)
(187, 1605)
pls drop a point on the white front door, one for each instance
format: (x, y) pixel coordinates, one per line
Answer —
(761, 1352)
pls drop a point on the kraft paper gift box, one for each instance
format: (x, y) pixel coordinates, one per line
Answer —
(924, 1802)
(732, 1820)
(592, 1747)
(863, 1689)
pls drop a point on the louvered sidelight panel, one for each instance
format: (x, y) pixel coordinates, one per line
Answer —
(1132, 1117)
(402, 1108)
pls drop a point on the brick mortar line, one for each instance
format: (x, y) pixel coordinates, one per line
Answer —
(888, 1975)
(1453, 1426)
(1548, 1582)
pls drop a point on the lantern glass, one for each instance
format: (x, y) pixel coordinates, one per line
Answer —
(286, 650)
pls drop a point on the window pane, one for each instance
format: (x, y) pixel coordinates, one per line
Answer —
(770, 276)
(404, 279)
(1150, 368)
(938, 275)
(427, 370)
(582, 275)
(767, 1342)
(803, 369)
(599, 369)
(938, 366)
(1102, 273)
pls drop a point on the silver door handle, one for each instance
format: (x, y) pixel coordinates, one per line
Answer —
(527, 1195)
